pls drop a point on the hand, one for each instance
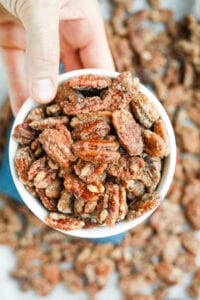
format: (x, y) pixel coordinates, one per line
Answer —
(35, 34)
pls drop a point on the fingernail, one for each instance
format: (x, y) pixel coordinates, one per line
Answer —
(44, 90)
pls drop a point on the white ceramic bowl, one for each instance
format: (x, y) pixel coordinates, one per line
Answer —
(102, 231)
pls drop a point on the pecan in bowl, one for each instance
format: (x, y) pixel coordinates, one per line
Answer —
(98, 159)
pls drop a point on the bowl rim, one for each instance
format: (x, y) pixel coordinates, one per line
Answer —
(100, 231)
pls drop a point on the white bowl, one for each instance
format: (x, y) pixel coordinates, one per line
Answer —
(102, 231)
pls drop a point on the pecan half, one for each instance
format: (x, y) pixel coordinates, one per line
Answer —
(127, 167)
(123, 207)
(108, 205)
(88, 171)
(24, 134)
(36, 114)
(50, 122)
(141, 206)
(144, 110)
(57, 144)
(79, 189)
(100, 151)
(93, 116)
(154, 145)
(121, 92)
(89, 82)
(23, 161)
(128, 131)
(49, 203)
(95, 129)
(65, 203)
(63, 221)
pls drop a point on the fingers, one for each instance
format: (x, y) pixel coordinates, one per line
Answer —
(96, 54)
(14, 61)
(88, 34)
(41, 20)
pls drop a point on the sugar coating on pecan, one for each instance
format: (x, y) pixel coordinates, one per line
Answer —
(128, 131)
(98, 151)
(146, 203)
(57, 144)
(144, 110)
(89, 82)
(95, 154)
(63, 221)
(24, 134)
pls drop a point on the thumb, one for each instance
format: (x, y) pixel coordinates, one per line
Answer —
(41, 22)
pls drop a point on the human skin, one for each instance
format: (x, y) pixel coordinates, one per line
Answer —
(36, 34)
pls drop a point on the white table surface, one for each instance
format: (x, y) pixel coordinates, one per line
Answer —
(9, 289)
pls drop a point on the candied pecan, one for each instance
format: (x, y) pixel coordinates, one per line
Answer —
(24, 134)
(171, 248)
(159, 128)
(132, 284)
(63, 221)
(154, 145)
(89, 82)
(153, 60)
(127, 168)
(57, 144)
(144, 110)
(191, 166)
(77, 104)
(50, 122)
(23, 161)
(190, 242)
(169, 273)
(88, 171)
(79, 188)
(49, 203)
(126, 4)
(84, 208)
(163, 219)
(51, 272)
(137, 18)
(118, 21)
(175, 192)
(72, 280)
(53, 110)
(35, 114)
(37, 148)
(191, 192)
(128, 131)
(123, 207)
(134, 188)
(193, 213)
(65, 203)
(36, 167)
(151, 173)
(161, 15)
(96, 129)
(53, 190)
(93, 116)
(186, 262)
(108, 205)
(191, 144)
(96, 150)
(121, 92)
(142, 205)
(44, 178)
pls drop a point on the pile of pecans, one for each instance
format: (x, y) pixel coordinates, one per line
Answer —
(154, 256)
(94, 155)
